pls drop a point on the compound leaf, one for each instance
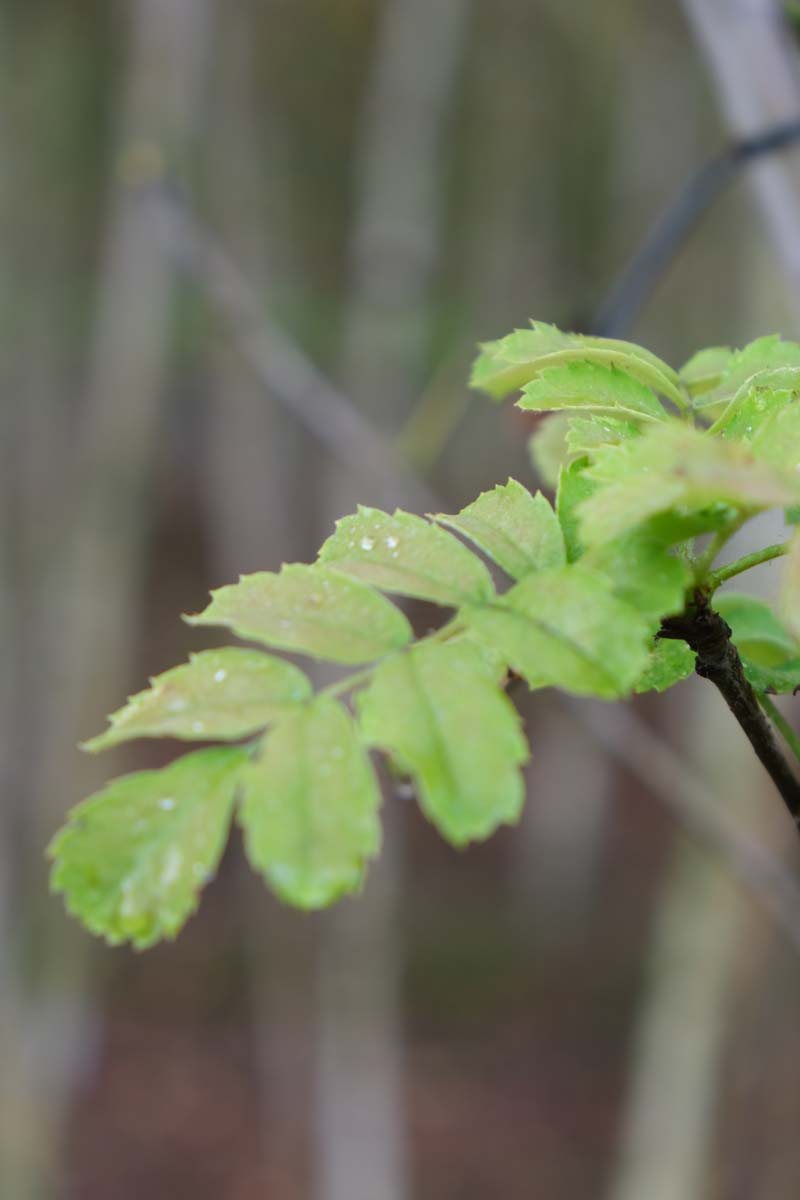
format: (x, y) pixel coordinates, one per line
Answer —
(312, 610)
(565, 628)
(574, 487)
(226, 694)
(311, 805)
(518, 531)
(132, 859)
(408, 555)
(593, 388)
(440, 715)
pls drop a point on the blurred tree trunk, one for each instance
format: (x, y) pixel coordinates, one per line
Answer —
(360, 1126)
(87, 600)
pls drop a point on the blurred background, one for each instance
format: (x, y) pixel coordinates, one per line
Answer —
(246, 252)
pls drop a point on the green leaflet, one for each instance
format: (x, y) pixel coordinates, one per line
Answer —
(133, 858)
(574, 487)
(757, 631)
(675, 467)
(566, 628)
(593, 388)
(765, 354)
(669, 662)
(789, 594)
(224, 694)
(705, 369)
(643, 572)
(505, 365)
(408, 555)
(440, 715)
(311, 803)
(311, 610)
(518, 531)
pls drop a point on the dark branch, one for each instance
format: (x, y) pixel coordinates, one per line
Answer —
(717, 659)
(638, 279)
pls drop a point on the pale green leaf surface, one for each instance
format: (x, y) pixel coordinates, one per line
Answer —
(675, 466)
(226, 693)
(518, 531)
(132, 859)
(758, 632)
(592, 388)
(743, 416)
(312, 610)
(440, 716)
(565, 628)
(408, 555)
(311, 807)
(669, 662)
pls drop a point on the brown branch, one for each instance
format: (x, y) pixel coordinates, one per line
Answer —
(709, 636)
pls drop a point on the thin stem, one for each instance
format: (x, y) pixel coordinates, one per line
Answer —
(341, 686)
(718, 660)
(715, 578)
(718, 541)
(788, 734)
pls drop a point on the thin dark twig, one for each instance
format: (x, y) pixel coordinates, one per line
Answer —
(638, 279)
(718, 660)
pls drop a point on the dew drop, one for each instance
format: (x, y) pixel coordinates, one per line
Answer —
(220, 675)
(166, 802)
(176, 705)
(367, 543)
(391, 542)
(197, 726)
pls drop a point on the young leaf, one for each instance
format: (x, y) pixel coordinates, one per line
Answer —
(133, 858)
(311, 610)
(224, 694)
(440, 715)
(506, 365)
(744, 415)
(757, 631)
(765, 354)
(669, 662)
(593, 388)
(518, 531)
(310, 810)
(704, 370)
(407, 555)
(565, 628)
(676, 466)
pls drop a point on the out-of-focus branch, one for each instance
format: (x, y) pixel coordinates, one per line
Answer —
(754, 67)
(281, 366)
(663, 773)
